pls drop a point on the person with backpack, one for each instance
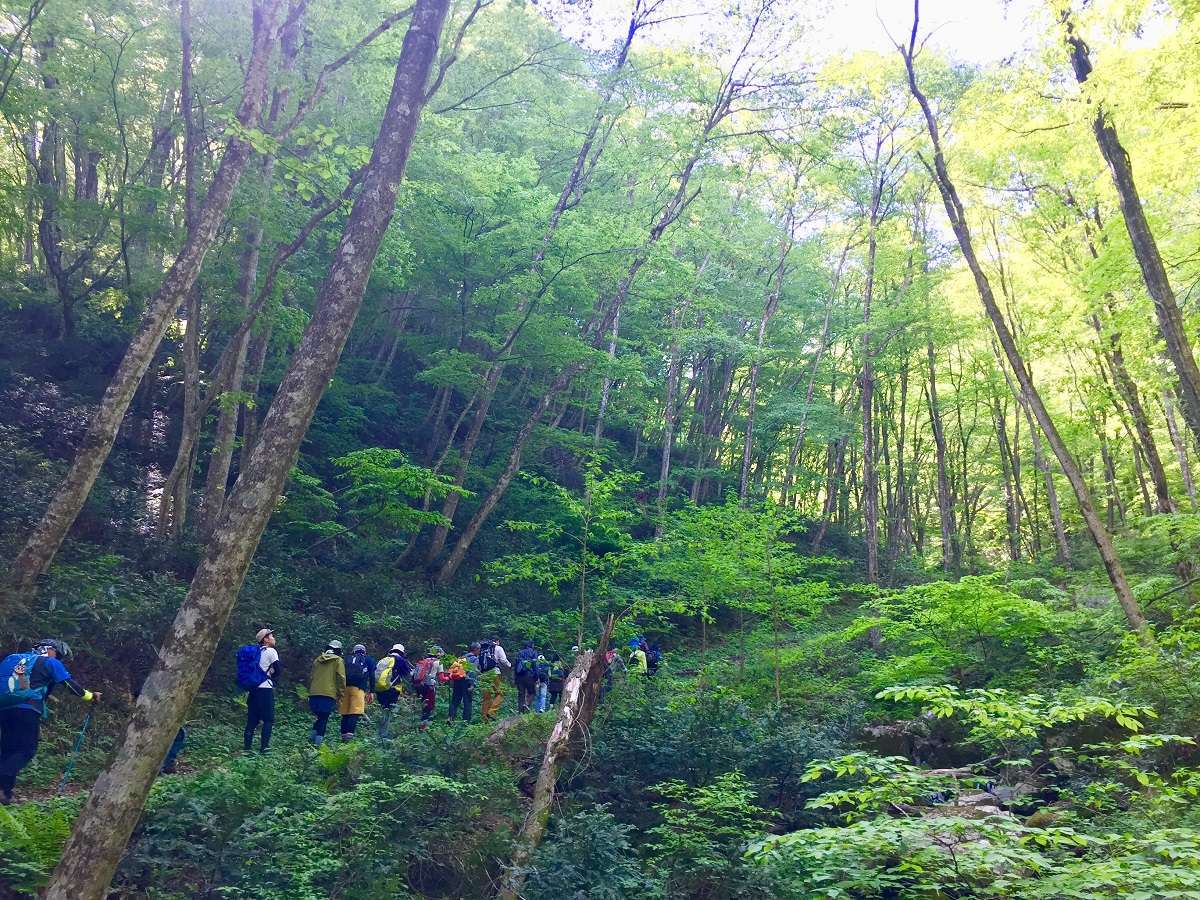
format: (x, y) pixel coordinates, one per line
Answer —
(525, 675)
(425, 679)
(326, 684)
(464, 675)
(556, 678)
(360, 681)
(654, 658)
(26, 680)
(491, 658)
(257, 673)
(542, 691)
(391, 673)
(638, 664)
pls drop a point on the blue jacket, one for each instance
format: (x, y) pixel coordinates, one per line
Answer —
(48, 672)
(530, 672)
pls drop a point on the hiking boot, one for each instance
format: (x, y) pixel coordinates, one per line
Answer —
(6, 798)
(168, 769)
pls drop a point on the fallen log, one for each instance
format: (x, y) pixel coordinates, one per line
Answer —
(581, 693)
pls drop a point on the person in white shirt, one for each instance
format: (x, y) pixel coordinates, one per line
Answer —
(260, 702)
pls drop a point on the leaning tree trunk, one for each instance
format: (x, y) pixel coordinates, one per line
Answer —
(590, 150)
(598, 326)
(581, 693)
(115, 803)
(1145, 248)
(958, 222)
(221, 459)
(48, 535)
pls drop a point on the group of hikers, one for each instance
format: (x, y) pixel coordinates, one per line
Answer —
(345, 685)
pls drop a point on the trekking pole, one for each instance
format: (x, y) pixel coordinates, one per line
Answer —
(62, 784)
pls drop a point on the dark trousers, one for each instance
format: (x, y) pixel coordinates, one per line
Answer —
(168, 765)
(322, 708)
(19, 730)
(387, 702)
(526, 688)
(428, 694)
(460, 695)
(349, 726)
(555, 694)
(260, 710)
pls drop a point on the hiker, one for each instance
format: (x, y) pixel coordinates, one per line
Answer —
(360, 680)
(391, 673)
(326, 685)
(26, 680)
(425, 679)
(491, 658)
(543, 683)
(525, 675)
(654, 658)
(638, 664)
(168, 766)
(610, 660)
(557, 677)
(257, 673)
(464, 675)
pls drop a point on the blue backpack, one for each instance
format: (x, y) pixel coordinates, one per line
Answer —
(250, 673)
(14, 680)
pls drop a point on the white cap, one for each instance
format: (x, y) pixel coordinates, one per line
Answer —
(263, 633)
(397, 647)
(335, 645)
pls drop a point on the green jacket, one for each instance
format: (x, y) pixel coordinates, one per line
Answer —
(328, 677)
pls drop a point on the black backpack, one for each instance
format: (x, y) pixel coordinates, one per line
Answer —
(358, 673)
(487, 656)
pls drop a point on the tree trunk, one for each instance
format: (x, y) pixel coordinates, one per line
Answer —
(1128, 391)
(670, 415)
(606, 385)
(256, 361)
(1145, 248)
(221, 459)
(115, 803)
(770, 307)
(870, 500)
(1062, 552)
(950, 553)
(1012, 514)
(1181, 451)
(601, 323)
(958, 221)
(580, 696)
(48, 535)
(585, 163)
(221, 456)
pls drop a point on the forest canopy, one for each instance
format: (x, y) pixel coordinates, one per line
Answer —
(849, 361)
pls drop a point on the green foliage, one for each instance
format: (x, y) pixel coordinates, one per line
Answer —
(588, 854)
(31, 838)
(1000, 718)
(972, 630)
(697, 846)
(996, 857)
(888, 783)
